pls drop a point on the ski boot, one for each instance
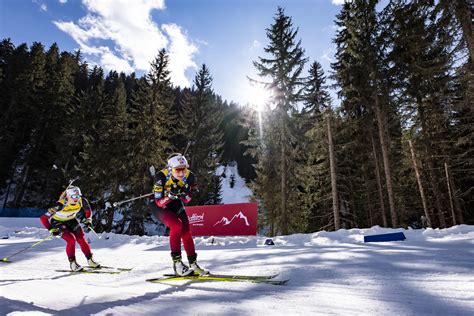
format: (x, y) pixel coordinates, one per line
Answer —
(195, 267)
(179, 267)
(75, 267)
(92, 263)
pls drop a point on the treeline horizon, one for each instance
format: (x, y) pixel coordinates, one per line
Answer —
(398, 150)
(62, 119)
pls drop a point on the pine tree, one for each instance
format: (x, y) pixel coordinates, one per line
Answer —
(6, 52)
(261, 148)
(462, 111)
(15, 115)
(283, 67)
(201, 123)
(424, 64)
(235, 133)
(35, 96)
(59, 92)
(314, 174)
(12, 63)
(360, 72)
(36, 109)
(107, 153)
(150, 133)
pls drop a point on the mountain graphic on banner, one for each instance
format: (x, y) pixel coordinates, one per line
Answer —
(225, 221)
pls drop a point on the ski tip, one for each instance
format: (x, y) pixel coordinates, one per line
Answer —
(89, 271)
(5, 260)
(108, 267)
(280, 282)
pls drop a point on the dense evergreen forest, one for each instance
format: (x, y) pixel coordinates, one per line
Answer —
(62, 119)
(395, 149)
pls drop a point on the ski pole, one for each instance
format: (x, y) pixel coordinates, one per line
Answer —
(97, 235)
(69, 185)
(6, 259)
(132, 199)
(71, 182)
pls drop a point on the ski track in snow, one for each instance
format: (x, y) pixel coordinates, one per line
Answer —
(331, 273)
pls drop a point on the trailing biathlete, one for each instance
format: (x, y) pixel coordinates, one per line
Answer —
(61, 220)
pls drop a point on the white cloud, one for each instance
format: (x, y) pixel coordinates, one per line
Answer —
(181, 54)
(42, 6)
(62, 1)
(338, 2)
(328, 55)
(111, 62)
(201, 42)
(252, 50)
(255, 46)
(136, 38)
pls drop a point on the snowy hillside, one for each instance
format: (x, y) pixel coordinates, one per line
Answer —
(234, 189)
(430, 273)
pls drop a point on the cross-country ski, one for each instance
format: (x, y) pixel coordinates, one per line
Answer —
(219, 278)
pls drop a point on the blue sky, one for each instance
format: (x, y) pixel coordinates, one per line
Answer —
(125, 35)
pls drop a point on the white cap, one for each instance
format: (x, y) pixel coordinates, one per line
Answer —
(71, 191)
(178, 161)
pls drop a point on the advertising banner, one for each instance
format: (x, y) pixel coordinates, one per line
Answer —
(238, 219)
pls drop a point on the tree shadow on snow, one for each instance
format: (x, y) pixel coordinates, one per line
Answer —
(389, 273)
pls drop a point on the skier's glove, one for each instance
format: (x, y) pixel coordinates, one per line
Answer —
(172, 196)
(175, 189)
(87, 222)
(174, 192)
(185, 189)
(54, 231)
(52, 210)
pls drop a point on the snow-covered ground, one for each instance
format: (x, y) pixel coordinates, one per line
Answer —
(234, 189)
(430, 273)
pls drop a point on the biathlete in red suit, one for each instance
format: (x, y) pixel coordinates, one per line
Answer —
(172, 190)
(61, 220)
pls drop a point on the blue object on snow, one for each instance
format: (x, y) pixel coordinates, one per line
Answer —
(385, 237)
(269, 242)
